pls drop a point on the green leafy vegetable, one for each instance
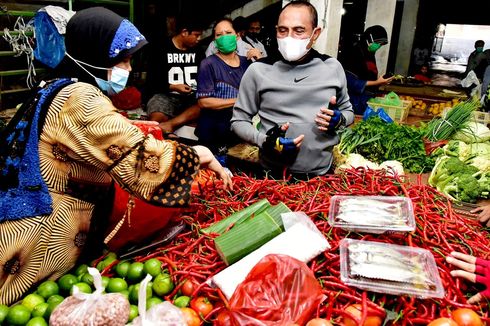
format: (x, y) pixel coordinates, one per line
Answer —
(379, 141)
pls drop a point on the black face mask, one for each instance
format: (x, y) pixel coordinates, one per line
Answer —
(254, 36)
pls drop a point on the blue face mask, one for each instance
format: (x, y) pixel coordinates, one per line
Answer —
(119, 79)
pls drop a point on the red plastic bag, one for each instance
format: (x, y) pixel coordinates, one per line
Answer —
(128, 99)
(279, 290)
(145, 219)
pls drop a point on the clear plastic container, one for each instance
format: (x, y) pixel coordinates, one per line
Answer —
(372, 214)
(389, 268)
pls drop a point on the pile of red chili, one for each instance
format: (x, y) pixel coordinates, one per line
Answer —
(192, 255)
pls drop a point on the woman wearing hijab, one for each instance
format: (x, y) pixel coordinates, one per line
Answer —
(218, 80)
(64, 150)
(360, 67)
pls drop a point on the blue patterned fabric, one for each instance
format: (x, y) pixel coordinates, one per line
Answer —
(127, 36)
(23, 192)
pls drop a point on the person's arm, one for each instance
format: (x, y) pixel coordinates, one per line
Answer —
(215, 103)
(246, 107)
(151, 169)
(206, 85)
(380, 81)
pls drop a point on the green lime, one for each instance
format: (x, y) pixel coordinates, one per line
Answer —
(47, 289)
(18, 315)
(82, 269)
(32, 300)
(153, 267)
(122, 268)
(105, 281)
(87, 278)
(152, 302)
(133, 312)
(111, 255)
(101, 265)
(66, 282)
(37, 321)
(40, 309)
(116, 285)
(133, 295)
(136, 272)
(182, 301)
(162, 284)
(55, 298)
(4, 310)
(51, 307)
(82, 287)
(109, 260)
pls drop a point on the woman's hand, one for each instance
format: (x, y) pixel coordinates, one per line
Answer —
(484, 216)
(475, 270)
(207, 160)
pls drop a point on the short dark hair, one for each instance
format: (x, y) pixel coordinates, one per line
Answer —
(240, 23)
(188, 23)
(479, 43)
(303, 3)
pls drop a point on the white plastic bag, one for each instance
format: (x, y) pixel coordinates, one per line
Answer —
(471, 79)
(162, 314)
(91, 309)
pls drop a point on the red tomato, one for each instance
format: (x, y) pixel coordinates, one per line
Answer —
(356, 311)
(190, 316)
(466, 317)
(318, 322)
(188, 288)
(202, 306)
(223, 319)
(443, 322)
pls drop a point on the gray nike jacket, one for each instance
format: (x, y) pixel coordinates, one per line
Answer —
(281, 92)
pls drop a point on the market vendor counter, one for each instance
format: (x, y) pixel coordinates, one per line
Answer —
(428, 91)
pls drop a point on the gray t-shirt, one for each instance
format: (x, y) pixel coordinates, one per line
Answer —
(283, 92)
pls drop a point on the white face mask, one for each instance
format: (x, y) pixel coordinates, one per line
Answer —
(293, 49)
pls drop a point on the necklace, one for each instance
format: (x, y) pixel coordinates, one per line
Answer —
(234, 61)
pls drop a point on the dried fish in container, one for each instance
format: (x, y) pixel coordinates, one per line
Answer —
(389, 268)
(375, 214)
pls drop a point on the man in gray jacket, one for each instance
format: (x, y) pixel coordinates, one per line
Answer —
(301, 100)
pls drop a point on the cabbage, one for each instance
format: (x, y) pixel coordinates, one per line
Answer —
(473, 133)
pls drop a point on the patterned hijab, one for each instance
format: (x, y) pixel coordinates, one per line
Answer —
(98, 37)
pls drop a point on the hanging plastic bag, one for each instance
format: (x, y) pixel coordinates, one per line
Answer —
(162, 314)
(92, 308)
(370, 112)
(50, 44)
(470, 80)
(279, 290)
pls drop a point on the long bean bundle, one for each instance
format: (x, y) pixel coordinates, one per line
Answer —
(453, 121)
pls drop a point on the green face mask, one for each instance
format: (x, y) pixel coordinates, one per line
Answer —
(373, 47)
(479, 49)
(226, 43)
